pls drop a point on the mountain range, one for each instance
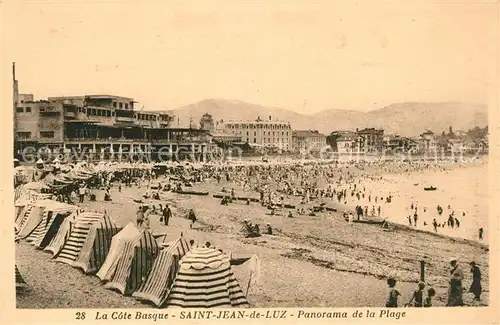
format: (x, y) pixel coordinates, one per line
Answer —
(406, 119)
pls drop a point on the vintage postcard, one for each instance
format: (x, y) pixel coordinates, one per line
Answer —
(227, 161)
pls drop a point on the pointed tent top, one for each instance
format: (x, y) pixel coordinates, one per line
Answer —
(39, 161)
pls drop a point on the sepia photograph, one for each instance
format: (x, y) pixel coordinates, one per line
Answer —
(249, 154)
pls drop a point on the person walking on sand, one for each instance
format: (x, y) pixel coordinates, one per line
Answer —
(475, 287)
(435, 224)
(415, 218)
(140, 216)
(191, 217)
(455, 285)
(147, 221)
(392, 300)
(481, 233)
(167, 213)
(81, 192)
(428, 300)
(418, 296)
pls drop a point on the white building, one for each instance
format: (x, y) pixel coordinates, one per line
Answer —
(262, 133)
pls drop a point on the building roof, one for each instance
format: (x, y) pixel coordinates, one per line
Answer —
(90, 96)
(255, 121)
(306, 133)
(347, 138)
(370, 130)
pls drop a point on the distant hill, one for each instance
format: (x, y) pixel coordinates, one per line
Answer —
(406, 119)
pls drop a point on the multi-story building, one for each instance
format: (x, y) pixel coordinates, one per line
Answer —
(97, 124)
(371, 140)
(207, 122)
(428, 141)
(343, 141)
(348, 143)
(274, 135)
(307, 140)
(398, 144)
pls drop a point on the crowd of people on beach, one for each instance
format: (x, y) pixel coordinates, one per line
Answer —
(341, 185)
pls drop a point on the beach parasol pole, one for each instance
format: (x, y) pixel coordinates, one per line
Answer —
(422, 277)
(249, 282)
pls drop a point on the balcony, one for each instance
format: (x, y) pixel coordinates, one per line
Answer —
(122, 119)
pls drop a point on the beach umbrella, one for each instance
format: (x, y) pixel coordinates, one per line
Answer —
(205, 280)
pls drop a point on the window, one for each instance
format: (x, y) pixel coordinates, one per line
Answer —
(254, 140)
(126, 106)
(46, 134)
(24, 135)
(254, 133)
(247, 133)
(28, 109)
(92, 111)
(114, 104)
(120, 105)
(108, 113)
(19, 109)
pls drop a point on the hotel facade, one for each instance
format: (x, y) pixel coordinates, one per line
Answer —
(269, 134)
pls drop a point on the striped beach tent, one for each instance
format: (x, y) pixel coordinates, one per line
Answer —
(20, 206)
(62, 235)
(19, 277)
(85, 238)
(19, 192)
(53, 217)
(205, 280)
(32, 217)
(129, 231)
(157, 284)
(133, 262)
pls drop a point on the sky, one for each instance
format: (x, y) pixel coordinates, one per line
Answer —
(306, 56)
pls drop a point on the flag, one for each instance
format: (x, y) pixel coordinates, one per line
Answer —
(254, 266)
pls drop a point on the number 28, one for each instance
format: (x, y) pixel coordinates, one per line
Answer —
(80, 316)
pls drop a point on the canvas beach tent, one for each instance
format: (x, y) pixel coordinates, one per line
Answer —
(132, 260)
(31, 217)
(20, 206)
(83, 241)
(117, 243)
(157, 284)
(19, 277)
(52, 218)
(205, 280)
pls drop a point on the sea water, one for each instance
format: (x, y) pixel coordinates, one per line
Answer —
(464, 190)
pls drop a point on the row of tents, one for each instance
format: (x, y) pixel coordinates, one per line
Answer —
(129, 259)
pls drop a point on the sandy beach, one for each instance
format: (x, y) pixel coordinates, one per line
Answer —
(308, 261)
